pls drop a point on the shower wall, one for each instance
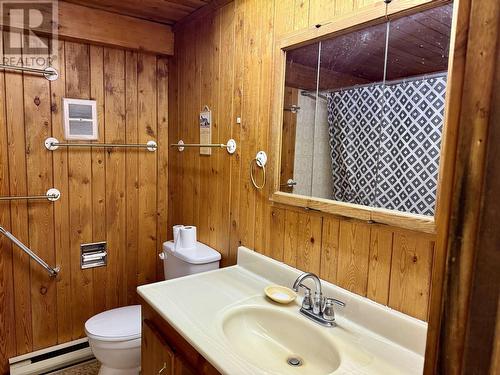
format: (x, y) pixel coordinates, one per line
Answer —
(304, 138)
(312, 164)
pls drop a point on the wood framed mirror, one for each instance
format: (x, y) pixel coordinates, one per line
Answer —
(360, 106)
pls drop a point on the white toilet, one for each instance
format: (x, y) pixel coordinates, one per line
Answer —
(115, 335)
(115, 340)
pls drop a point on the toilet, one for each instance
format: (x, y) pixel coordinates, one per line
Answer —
(115, 335)
(115, 339)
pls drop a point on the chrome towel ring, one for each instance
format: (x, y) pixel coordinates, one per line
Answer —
(260, 160)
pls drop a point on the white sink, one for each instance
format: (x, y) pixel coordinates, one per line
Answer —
(270, 338)
(226, 317)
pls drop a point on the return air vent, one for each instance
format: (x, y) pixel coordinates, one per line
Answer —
(80, 119)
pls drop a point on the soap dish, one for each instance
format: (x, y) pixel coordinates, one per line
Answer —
(280, 294)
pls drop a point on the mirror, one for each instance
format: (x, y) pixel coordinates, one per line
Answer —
(364, 112)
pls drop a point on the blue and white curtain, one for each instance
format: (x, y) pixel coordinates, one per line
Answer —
(385, 142)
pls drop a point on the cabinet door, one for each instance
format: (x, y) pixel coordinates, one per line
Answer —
(181, 368)
(157, 357)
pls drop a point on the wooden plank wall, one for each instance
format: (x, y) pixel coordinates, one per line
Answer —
(117, 195)
(225, 61)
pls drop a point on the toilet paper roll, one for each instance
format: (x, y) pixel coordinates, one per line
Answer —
(187, 237)
(177, 229)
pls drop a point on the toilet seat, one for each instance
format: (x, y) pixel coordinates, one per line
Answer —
(121, 324)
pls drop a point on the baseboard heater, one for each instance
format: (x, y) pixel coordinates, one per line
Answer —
(51, 359)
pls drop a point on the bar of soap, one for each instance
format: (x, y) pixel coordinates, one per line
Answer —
(280, 294)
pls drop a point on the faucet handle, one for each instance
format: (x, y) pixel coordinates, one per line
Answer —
(328, 310)
(307, 301)
(337, 301)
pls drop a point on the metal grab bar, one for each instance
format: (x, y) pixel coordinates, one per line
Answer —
(53, 144)
(52, 271)
(51, 195)
(230, 146)
(216, 145)
(49, 73)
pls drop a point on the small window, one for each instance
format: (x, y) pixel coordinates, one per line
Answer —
(80, 119)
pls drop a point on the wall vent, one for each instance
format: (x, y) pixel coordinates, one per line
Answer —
(80, 119)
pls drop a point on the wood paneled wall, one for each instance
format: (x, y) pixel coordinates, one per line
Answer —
(114, 195)
(225, 61)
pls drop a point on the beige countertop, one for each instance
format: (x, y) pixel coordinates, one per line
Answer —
(369, 339)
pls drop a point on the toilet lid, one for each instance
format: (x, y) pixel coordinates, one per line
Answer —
(123, 323)
(200, 254)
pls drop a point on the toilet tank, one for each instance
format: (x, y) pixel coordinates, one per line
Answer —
(185, 262)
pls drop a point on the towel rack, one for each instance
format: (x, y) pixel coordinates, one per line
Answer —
(230, 146)
(49, 73)
(260, 161)
(51, 195)
(53, 144)
(52, 271)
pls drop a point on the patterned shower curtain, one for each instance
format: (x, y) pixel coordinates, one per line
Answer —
(385, 143)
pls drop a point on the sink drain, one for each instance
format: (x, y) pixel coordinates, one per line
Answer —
(294, 361)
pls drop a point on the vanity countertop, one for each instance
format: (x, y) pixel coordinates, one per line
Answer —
(369, 339)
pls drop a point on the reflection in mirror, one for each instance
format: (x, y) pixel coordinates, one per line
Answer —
(349, 125)
(370, 126)
(298, 119)
(414, 101)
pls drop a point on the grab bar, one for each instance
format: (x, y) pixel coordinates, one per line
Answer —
(52, 144)
(52, 271)
(51, 195)
(230, 146)
(49, 73)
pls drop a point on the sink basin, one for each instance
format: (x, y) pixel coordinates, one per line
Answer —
(280, 342)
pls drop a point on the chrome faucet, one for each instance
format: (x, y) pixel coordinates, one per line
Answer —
(318, 294)
(319, 309)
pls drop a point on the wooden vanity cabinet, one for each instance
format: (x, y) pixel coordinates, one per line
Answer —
(166, 352)
(157, 356)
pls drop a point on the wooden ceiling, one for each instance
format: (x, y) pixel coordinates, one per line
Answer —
(163, 11)
(418, 45)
